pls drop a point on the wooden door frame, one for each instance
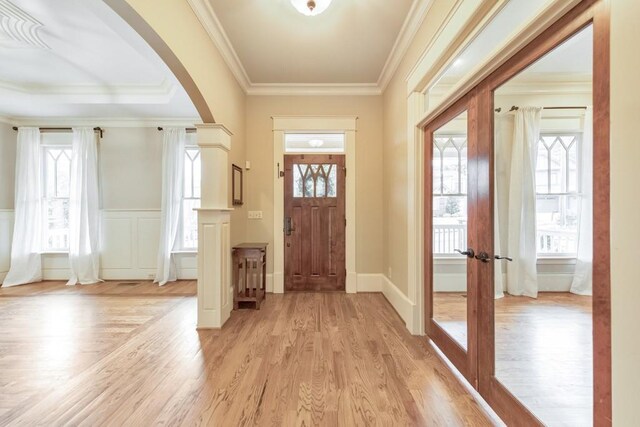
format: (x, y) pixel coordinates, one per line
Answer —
(313, 124)
(464, 360)
(512, 411)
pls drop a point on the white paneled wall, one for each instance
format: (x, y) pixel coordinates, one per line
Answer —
(129, 248)
(553, 275)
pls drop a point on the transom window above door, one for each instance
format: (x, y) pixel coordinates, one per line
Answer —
(314, 143)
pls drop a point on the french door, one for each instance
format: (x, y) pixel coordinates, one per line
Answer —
(450, 216)
(462, 247)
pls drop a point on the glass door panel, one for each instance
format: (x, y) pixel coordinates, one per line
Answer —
(542, 223)
(449, 168)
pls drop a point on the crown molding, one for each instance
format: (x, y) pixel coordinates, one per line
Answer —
(95, 94)
(416, 16)
(209, 20)
(106, 122)
(301, 89)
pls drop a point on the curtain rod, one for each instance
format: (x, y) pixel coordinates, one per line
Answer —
(96, 129)
(189, 130)
(514, 108)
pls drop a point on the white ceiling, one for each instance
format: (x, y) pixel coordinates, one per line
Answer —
(349, 43)
(573, 57)
(80, 59)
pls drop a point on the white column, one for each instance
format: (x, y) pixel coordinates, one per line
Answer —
(215, 297)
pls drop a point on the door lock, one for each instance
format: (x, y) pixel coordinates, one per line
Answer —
(288, 226)
(483, 257)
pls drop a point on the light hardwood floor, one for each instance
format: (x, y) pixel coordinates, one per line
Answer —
(118, 354)
(544, 351)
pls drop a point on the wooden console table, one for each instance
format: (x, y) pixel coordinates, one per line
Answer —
(249, 273)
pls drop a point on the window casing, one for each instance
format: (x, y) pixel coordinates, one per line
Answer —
(56, 173)
(557, 194)
(188, 230)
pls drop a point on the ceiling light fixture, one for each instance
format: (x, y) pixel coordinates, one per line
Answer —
(311, 7)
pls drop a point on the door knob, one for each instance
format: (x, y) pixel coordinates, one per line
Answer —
(503, 257)
(469, 252)
(483, 256)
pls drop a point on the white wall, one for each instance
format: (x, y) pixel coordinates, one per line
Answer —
(131, 168)
(8, 139)
(625, 230)
(7, 171)
(130, 179)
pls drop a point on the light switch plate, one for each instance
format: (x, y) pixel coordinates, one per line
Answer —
(255, 215)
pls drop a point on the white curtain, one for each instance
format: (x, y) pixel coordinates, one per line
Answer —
(582, 280)
(503, 129)
(521, 273)
(26, 266)
(84, 209)
(172, 187)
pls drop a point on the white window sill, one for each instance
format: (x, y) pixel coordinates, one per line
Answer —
(54, 253)
(186, 251)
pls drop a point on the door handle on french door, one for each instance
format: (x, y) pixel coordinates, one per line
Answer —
(469, 252)
(483, 256)
(503, 257)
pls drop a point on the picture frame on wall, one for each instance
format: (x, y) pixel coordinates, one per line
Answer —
(236, 185)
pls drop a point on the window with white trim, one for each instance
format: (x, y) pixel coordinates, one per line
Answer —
(557, 193)
(188, 238)
(449, 193)
(56, 172)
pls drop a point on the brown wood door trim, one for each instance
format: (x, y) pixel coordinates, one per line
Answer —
(319, 265)
(512, 411)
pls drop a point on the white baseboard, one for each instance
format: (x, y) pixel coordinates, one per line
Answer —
(370, 282)
(400, 303)
(269, 282)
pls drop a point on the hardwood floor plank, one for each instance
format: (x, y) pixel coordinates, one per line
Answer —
(113, 354)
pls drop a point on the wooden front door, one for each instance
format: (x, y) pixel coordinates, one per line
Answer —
(314, 228)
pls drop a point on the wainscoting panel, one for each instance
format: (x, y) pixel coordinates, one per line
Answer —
(117, 245)
(148, 239)
(129, 248)
(553, 275)
(130, 241)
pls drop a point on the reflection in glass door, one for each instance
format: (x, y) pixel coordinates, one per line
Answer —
(449, 270)
(542, 231)
(450, 228)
